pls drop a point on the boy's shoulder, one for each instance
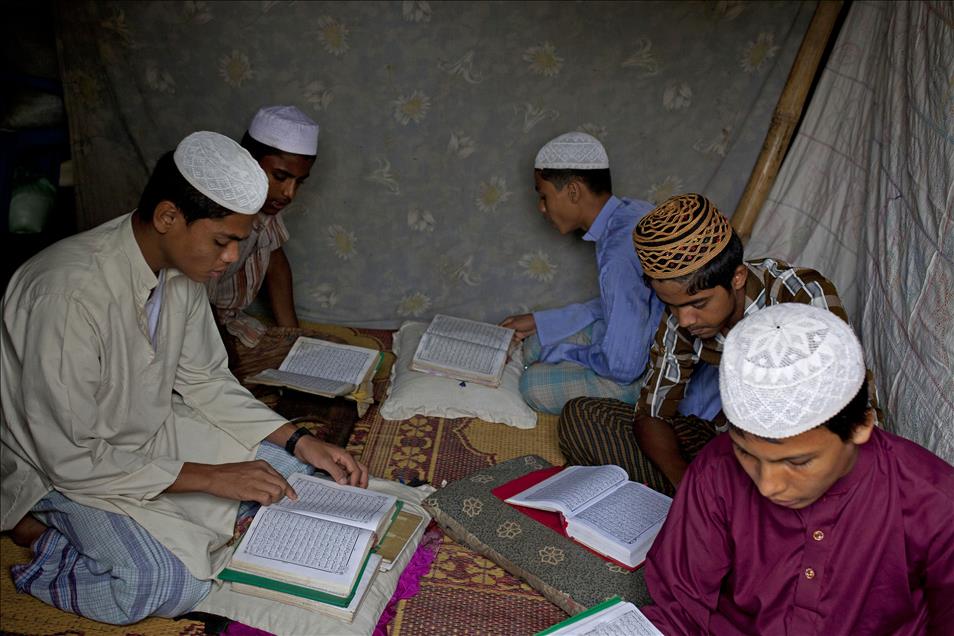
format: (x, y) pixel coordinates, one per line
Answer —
(917, 468)
(623, 218)
(71, 266)
(636, 206)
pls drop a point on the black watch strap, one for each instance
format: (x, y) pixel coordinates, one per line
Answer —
(293, 440)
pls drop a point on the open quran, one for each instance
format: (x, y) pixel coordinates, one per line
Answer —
(464, 350)
(317, 548)
(602, 510)
(323, 368)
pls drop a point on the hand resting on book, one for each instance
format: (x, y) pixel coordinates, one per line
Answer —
(240, 481)
(332, 459)
(257, 481)
(523, 325)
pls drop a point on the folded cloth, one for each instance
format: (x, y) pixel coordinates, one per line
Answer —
(247, 329)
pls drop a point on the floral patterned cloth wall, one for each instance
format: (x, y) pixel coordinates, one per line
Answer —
(431, 113)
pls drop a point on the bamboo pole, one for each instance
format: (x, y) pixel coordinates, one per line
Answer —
(786, 116)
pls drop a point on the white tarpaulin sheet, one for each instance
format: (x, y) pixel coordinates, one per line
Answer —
(865, 196)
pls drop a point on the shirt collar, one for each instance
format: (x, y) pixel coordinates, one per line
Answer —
(143, 280)
(596, 231)
(755, 292)
(754, 301)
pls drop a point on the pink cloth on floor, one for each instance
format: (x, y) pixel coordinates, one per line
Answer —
(410, 581)
(240, 629)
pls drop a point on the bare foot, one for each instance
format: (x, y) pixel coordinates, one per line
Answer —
(27, 531)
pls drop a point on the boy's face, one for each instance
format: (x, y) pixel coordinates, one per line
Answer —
(557, 206)
(795, 472)
(204, 249)
(708, 312)
(285, 173)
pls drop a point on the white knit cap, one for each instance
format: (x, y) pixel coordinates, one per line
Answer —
(572, 151)
(222, 170)
(787, 369)
(285, 128)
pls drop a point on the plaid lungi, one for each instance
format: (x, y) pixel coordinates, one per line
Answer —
(107, 567)
(547, 387)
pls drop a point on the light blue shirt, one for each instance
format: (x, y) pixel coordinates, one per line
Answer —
(624, 316)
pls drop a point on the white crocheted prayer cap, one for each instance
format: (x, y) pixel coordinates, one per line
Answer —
(285, 128)
(787, 369)
(222, 170)
(572, 151)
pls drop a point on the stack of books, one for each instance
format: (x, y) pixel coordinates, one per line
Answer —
(322, 551)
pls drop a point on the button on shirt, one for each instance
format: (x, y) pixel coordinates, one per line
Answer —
(874, 555)
(625, 314)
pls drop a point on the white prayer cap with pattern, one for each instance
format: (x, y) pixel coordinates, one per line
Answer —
(222, 170)
(285, 128)
(788, 368)
(572, 151)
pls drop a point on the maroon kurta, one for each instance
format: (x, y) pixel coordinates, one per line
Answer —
(874, 555)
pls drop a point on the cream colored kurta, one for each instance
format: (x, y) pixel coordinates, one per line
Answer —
(90, 409)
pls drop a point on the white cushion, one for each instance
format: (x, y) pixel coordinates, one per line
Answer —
(414, 393)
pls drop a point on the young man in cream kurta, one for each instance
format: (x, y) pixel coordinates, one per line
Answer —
(126, 442)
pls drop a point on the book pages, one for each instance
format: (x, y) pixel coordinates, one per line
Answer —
(458, 354)
(482, 333)
(333, 501)
(313, 543)
(572, 489)
(629, 622)
(319, 541)
(628, 513)
(298, 380)
(463, 349)
(329, 360)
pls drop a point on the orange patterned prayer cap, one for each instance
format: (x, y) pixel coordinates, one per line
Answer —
(680, 236)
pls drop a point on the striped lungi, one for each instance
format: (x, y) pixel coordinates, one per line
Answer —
(594, 431)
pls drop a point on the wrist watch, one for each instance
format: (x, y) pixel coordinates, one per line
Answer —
(293, 440)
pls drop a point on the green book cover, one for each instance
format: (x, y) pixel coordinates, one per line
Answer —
(585, 613)
(236, 576)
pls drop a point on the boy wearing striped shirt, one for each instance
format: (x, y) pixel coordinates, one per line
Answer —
(692, 259)
(284, 141)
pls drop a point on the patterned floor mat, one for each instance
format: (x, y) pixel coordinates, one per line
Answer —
(464, 593)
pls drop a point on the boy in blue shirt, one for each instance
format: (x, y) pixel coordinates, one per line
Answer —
(597, 348)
